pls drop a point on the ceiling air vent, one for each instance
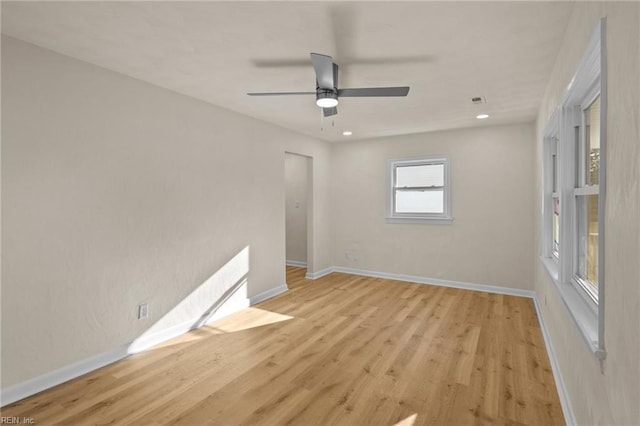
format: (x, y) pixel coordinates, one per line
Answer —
(478, 100)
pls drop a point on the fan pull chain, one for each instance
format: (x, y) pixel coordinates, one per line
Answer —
(321, 120)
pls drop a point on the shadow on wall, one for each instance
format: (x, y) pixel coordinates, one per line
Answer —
(223, 293)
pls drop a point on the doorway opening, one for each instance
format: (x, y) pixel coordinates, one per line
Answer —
(298, 215)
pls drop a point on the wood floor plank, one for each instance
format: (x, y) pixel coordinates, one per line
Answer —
(339, 350)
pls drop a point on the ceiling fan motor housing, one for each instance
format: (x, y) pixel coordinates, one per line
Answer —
(326, 98)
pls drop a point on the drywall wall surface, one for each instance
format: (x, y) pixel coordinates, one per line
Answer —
(606, 394)
(117, 192)
(295, 167)
(490, 240)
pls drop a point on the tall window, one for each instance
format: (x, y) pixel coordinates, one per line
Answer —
(419, 189)
(575, 166)
(587, 193)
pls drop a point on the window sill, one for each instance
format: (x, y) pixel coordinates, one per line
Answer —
(584, 317)
(421, 220)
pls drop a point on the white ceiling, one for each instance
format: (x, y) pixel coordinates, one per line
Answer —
(447, 52)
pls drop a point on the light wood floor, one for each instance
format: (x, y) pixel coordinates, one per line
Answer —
(342, 350)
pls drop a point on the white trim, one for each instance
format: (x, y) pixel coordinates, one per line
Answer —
(421, 220)
(437, 281)
(565, 402)
(586, 190)
(444, 218)
(589, 68)
(68, 372)
(584, 317)
(602, 180)
(72, 371)
(297, 263)
(424, 280)
(319, 274)
(552, 269)
(273, 292)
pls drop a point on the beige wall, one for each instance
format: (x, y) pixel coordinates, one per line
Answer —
(607, 394)
(491, 238)
(117, 192)
(295, 167)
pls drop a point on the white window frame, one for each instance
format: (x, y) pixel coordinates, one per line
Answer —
(575, 118)
(422, 218)
(551, 189)
(588, 82)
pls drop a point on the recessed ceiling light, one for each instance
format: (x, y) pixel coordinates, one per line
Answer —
(347, 133)
(482, 116)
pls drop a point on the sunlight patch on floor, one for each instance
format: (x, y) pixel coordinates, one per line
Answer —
(246, 319)
(409, 421)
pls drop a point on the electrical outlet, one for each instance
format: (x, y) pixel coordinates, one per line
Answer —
(143, 310)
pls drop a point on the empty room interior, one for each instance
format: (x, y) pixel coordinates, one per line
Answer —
(349, 213)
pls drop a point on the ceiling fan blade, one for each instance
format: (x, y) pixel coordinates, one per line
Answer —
(328, 112)
(374, 91)
(323, 65)
(280, 93)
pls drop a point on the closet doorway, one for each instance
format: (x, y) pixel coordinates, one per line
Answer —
(298, 187)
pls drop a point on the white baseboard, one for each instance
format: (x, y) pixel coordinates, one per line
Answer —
(53, 378)
(48, 380)
(297, 263)
(321, 273)
(569, 418)
(437, 281)
(268, 294)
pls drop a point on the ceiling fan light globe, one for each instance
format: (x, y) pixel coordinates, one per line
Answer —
(326, 102)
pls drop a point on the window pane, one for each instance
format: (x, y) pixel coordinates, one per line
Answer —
(419, 201)
(592, 135)
(578, 174)
(587, 209)
(422, 175)
(555, 249)
(554, 171)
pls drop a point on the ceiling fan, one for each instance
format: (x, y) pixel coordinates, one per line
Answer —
(327, 91)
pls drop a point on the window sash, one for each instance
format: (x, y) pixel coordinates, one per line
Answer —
(441, 185)
(586, 251)
(586, 244)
